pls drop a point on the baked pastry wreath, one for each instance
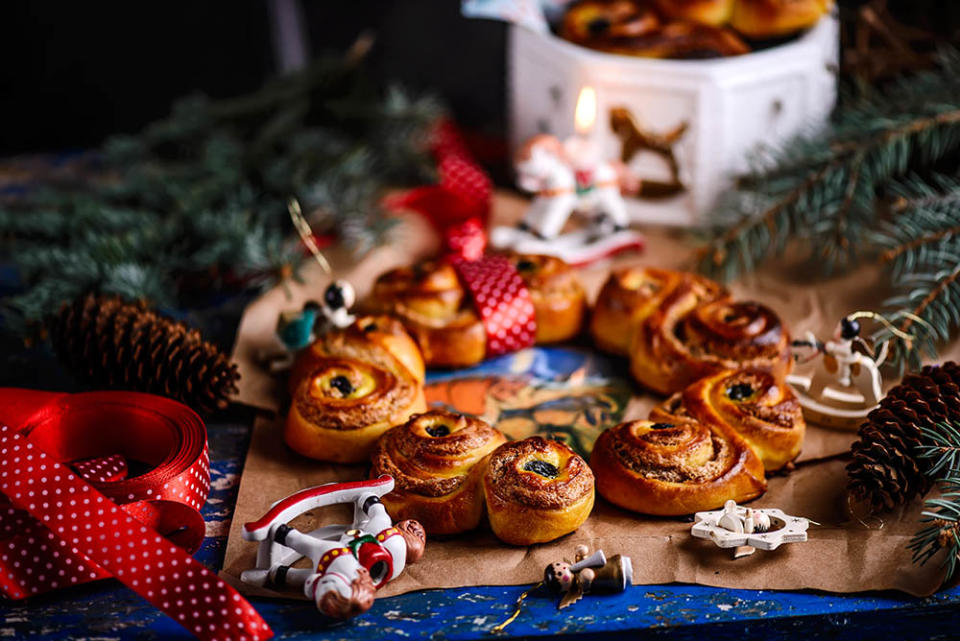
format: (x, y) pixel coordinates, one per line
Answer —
(536, 491)
(760, 408)
(675, 465)
(350, 387)
(435, 307)
(437, 460)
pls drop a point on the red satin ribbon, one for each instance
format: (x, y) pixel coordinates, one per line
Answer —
(60, 527)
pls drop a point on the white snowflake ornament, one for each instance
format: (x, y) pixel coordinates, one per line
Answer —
(735, 526)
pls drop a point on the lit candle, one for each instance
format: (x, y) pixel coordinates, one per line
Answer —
(580, 150)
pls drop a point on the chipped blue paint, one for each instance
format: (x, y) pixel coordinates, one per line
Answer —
(106, 610)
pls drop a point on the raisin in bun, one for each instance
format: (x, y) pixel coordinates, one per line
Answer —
(437, 460)
(675, 466)
(536, 491)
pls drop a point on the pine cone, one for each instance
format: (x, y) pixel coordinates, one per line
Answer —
(885, 471)
(106, 342)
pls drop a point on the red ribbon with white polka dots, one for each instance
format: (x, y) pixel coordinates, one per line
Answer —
(502, 300)
(63, 526)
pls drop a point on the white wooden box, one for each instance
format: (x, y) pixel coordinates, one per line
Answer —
(730, 105)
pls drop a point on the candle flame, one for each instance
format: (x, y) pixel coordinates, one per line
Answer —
(586, 112)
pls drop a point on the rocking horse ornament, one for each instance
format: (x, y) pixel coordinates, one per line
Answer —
(348, 563)
(567, 177)
(845, 384)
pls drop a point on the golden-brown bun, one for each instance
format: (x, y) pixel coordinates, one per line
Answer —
(437, 460)
(591, 19)
(763, 410)
(775, 18)
(711, 12)
(342, 407)
(558, 298)
(367, 335)
(632, 294)
(431, 302)
(673, 467)
(683, 341)
(536, 491)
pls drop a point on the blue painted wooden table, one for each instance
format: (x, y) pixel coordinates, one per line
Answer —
(106, 610)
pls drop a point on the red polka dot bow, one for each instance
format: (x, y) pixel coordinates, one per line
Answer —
(458, 207)
(70, 512)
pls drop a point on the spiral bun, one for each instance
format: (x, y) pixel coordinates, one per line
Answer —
(559, 302)
(632, 294)
(383, 335)
(753, 403)
(536, 491)
(432, 303)
(350, 386)
(675, 466)
(682, 342)
(437, 460)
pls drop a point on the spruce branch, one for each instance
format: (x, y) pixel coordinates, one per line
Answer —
(941, 518)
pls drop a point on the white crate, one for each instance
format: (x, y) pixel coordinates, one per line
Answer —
(731, 105)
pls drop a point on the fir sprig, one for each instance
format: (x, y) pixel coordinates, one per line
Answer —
(196, 202)
(941, 449)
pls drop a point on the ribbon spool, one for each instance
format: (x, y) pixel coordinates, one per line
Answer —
(61, 526)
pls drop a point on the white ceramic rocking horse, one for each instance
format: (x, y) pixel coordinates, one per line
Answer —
(560, 188)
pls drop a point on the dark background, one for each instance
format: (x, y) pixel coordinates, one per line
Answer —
(75, 72)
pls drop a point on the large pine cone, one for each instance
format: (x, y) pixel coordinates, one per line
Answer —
(106, 342)
(885, 471)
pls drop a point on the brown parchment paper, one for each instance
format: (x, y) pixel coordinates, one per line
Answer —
(842, 555)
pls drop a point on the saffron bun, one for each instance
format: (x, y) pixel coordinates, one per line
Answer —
(559, 302)
(753, 403)
(675, 466)
(437, 310)
(630, 295)
(684, 340)
(761, 19)
(709, 12)
(342, 406)
(367, 335)
(536, 491)
(437, 460)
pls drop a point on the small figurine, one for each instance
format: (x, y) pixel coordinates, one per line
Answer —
(588, 575)
(845, 384)
(747, 529)
(295, 329)
(348, 563)
(298, 329)
(338, 298)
